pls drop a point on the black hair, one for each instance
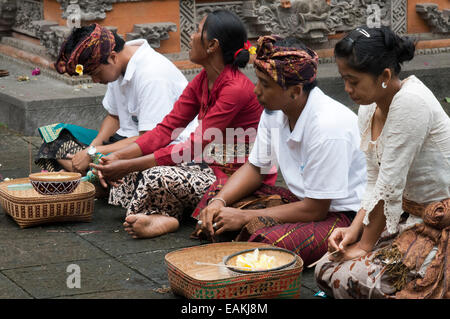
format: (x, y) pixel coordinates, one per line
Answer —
(79, 34)
(230, 31)
(371, 50)
(293, 42)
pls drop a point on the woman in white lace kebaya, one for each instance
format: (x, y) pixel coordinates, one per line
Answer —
(396, 246)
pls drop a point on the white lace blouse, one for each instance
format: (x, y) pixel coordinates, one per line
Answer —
(411, 157)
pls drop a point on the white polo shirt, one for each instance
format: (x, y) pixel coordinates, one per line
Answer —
(146, 93)
(320, 158)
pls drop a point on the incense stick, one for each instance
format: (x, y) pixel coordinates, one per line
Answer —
(326, 255)
(29, 153)
(221, 265)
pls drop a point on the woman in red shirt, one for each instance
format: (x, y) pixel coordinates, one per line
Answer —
(167, 178)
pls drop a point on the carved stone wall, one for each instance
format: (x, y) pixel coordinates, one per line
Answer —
(439, 21)
(54, 38)
(154, 33)
(345, 15)
(309, 20)
(202, 9)
(27, 12)
(304, 19)
(187, 22)
(399, 16)
(77, 11)
(90, 10)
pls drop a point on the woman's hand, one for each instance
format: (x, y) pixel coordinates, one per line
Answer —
(351, 252)
(207, 215)
(229, 219)
(223, 218)
(110, 169)
(80, 161)
(340, 239)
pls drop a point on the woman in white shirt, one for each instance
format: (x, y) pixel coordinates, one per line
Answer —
(396, 245)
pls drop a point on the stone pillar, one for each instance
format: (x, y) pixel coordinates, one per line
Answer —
(399, 16)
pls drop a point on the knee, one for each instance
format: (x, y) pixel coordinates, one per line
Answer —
(329, 277)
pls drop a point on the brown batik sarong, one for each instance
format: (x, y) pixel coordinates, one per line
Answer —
(413, 264)
(165, 190)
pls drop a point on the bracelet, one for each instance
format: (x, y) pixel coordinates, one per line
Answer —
(218, 198)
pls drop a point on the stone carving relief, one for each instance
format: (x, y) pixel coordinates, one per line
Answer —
(153, 32)
(439, 21)
(90, 10)
(53, 38)
(73, 13)
(345, 15)
(202, 9)
(310, 20)
(8, 10)
(27, 12)
(187, 22)
(399, 16)
(305, 19)
(76, 11)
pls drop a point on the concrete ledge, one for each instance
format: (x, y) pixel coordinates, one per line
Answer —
(42, 100)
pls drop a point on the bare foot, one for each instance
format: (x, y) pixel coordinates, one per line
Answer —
(148, 226)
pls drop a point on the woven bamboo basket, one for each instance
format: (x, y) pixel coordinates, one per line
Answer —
(29, 208)
(195, 281)
(55, 183)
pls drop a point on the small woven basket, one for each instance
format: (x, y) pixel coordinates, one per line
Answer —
(55, 183)
(195, 281)
(29, 208)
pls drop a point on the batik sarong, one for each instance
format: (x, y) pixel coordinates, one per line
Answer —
(308, 240)
(410, 265)
(165, 190)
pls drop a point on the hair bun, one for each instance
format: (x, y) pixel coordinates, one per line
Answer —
(242, 58)
(405, 48)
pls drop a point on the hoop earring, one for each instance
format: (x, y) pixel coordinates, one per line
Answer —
(383, 85)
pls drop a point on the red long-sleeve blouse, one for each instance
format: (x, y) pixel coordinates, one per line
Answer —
(230, 104)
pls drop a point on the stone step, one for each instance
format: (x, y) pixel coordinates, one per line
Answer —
(25, 45)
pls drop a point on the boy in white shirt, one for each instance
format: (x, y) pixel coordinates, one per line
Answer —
(314, 140)
(142, 84)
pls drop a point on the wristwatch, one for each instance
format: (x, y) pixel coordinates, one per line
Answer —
(92, 151)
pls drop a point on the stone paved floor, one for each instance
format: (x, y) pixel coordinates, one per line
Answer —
(34, 261)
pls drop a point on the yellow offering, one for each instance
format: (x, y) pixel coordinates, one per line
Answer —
(79, 69)
(256, 261)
